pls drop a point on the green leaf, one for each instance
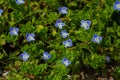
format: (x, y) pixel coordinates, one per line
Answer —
(2, 42)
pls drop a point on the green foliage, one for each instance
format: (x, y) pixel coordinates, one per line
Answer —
(39, 17)
(96, 61)
(116, 72)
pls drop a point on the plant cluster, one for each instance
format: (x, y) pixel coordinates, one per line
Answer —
(55, 39)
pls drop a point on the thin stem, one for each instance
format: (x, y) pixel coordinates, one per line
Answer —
(27, 16)
(4, 51)
(3, 62)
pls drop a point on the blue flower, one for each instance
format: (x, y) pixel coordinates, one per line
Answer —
(85, 24)
(14, 31)
(30, 37)
(68, 43)
(117, 6)
(64, 33)
(1, 11)
(24, 56)
(19, 1)
(63, 10)
(66, 62)
(96, 38)
(46, 56)
(59, 24)
(107, 58)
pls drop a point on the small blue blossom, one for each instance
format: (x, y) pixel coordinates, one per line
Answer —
(30, 37)
(117, 6)
(64, 33)
(96, 38)
(85, 24)
(46, 56)
(62, 10)
(19, 1)
(24, 56)
(14, 31)
(1, 11)
(107, 58)
(66, 62)
(68, 43)
(59, 24)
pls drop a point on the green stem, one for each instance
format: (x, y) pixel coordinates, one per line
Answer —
(3, 62)
(27, 16)
(4, 51)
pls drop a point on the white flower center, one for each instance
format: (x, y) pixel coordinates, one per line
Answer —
(97, 40)
(20, 1)
(14, 32)
(118, 6)
(67, 44)
(31, 38)
(63, 11)
(64, 34)
(66, 63)
(46, 56)
(85, 24)
(60, 25)
(25, 56)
